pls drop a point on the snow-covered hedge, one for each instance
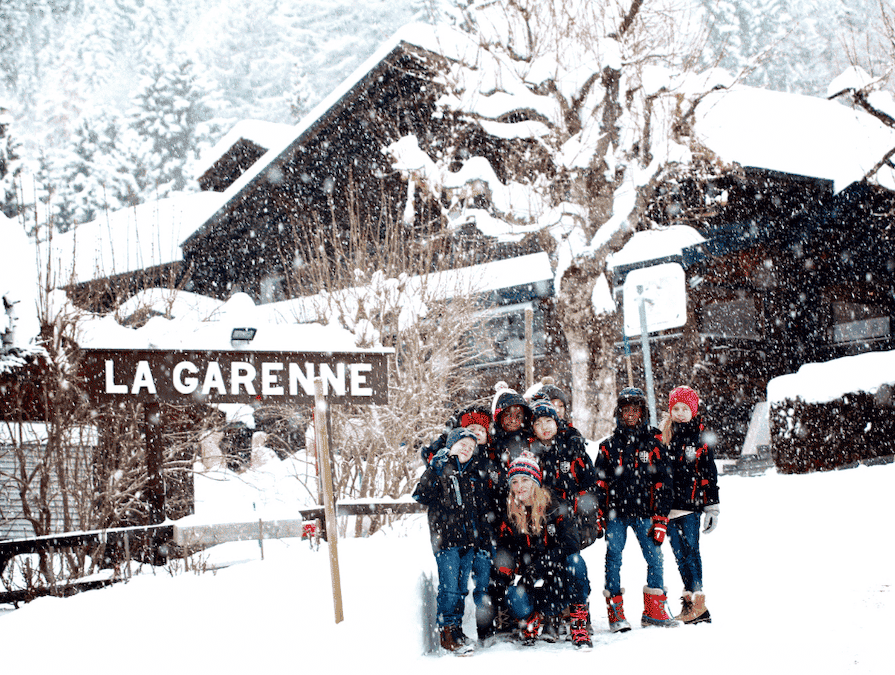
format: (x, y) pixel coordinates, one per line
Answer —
(834, 414)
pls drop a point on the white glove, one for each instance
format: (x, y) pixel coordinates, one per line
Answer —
(710, 522)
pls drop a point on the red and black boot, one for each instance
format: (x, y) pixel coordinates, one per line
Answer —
(531, 628)
(580, 636)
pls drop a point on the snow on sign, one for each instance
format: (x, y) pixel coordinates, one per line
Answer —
(664, 294)
(185, 377)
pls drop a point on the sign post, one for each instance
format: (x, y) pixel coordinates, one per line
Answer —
(329, 500)
(655, 299)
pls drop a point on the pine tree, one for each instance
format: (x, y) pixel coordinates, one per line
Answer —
(10, 167)
(749, 35)
(170, 117)
(92, 174)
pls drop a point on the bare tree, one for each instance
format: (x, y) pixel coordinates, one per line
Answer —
(396, 293)
(568, 115)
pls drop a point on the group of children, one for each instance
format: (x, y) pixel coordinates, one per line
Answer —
(513, 497)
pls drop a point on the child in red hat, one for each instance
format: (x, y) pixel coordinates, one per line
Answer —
(695, 492)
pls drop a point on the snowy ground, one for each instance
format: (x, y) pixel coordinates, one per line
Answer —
(798, 578)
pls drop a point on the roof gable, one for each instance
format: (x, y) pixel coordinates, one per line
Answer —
(269, 168)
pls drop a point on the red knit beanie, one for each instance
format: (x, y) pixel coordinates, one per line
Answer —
(684, 395)
(475, 417)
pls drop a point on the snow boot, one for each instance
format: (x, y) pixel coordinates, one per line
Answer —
(654, 613)
(617, 621)
(451, 643)
(531, 628)
(551, 629)
(459, 636)
(686, 606)
(580, 636)
(698, 612)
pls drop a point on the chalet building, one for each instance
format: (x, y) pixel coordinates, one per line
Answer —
(792, 263)
(326, 186)
(329, 188)
(797, 261)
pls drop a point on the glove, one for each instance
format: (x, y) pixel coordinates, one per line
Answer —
(658, 529)
(710, 522)
(439, 460)
(601, 524)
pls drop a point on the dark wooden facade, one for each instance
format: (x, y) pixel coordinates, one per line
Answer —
(789, 274)
(333, 186)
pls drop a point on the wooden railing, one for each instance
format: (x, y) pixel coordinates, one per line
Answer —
(154, 539)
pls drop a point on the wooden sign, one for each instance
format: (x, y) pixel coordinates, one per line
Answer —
(201, 377)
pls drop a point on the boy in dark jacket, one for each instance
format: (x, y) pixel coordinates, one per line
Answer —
(487, 592)
(511, 424)
(454, 488)
(634, 476)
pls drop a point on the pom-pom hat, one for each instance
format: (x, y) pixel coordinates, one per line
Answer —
(551, 391)
(684, 395)
(543, 409)
(505, 397)
(525, 464)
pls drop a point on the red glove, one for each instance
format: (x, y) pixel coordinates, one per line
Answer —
(658, 529)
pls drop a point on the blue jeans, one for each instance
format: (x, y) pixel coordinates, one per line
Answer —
(481, 578)
(579, 584)
(454, 566)
(616, 536)
(519, 602)
(683, 535)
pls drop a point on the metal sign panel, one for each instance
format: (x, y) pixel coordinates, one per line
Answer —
(202, 377)
(664, 292)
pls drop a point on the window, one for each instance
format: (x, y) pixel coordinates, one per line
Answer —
(855, 321)
(501, 336)
(732, 316)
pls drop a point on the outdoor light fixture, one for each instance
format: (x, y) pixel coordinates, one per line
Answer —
(243, 334)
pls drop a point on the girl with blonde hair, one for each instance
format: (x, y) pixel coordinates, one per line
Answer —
(537, 545)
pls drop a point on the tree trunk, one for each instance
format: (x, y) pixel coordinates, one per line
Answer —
(591, 339)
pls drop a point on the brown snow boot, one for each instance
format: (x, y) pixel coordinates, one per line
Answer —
(615, 606)
(698, 612)
(654, 613)
(454, 640)
(686, 606)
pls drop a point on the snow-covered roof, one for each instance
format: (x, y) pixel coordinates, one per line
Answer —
(199, 322)
(415, 291)
(823, 382)
(135, 238)
(193, 330)
(171, 302)
(260, 132)
(795, 134)
(655, 244)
